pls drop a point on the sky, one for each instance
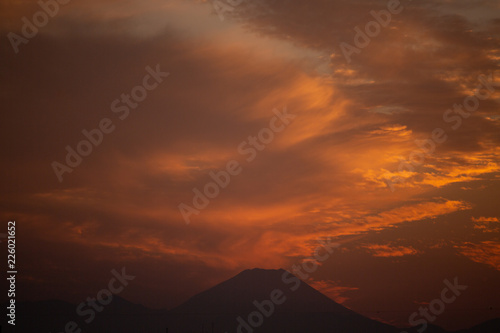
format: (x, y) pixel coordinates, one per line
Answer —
(320, 121)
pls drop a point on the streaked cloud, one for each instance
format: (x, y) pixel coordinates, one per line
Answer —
(333, 290)
(390, 251)
(486, 252)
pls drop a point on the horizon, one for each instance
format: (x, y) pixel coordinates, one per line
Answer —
(353, 143)
(251, 273)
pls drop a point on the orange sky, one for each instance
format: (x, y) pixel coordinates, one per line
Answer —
(324, 175)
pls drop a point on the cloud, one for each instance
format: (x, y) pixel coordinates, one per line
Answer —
(485, 219)
(390, 251)
(487, 224)
(486, 252)
(332, 289)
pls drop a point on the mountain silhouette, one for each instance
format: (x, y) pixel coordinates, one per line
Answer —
(253, 301)
(244, 304)
(490, 326)
(237, 294)
(52, 316)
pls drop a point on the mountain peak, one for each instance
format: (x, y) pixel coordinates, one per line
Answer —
(239, 292)
(280, 299)
(261, 271)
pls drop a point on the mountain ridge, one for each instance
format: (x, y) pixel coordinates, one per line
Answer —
(253, 301)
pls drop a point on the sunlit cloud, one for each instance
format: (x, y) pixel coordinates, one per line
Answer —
(332, 289)
(487, 224)
(390, 251)
(486, 252)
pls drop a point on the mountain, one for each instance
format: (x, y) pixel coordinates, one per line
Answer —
(237, 294)
(244, 304)
(53, 316)
(259, 300)
(253, 301)
(490, 326)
